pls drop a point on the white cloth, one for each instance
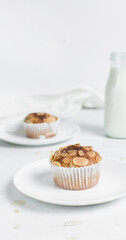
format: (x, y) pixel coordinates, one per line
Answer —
(63, 105)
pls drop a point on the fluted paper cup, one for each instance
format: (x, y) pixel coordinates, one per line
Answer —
(36, 130)
(78, 178)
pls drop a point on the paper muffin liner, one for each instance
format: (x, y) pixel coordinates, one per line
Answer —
(35, 130)
(76, 178)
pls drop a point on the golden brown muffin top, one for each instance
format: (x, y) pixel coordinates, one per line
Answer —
(75, 156)
(40, 117)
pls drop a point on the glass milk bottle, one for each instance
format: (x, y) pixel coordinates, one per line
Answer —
(115, 97)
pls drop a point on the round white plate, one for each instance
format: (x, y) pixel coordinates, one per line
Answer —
(35, 180)
(14, 133)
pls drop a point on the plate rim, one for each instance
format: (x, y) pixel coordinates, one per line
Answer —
(76, 131)
(65, 203)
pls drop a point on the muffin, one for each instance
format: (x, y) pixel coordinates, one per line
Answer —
(76, 167)
(37, 124)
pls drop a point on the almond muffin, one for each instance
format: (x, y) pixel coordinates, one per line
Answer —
(37, 124)
(76, 167)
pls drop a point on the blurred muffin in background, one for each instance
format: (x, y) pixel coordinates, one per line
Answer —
(38, 124)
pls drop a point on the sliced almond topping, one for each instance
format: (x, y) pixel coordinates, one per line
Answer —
(86, 148)
(57, 154)
(67, 159)
(90, 147)
(51, 155)
(64, 154)
(80, 161)
(57, 164)
(39, 114)
(72, 152)
(65, 165)
(98, 159)
(72, 164)
(81, 153)
(91, 153)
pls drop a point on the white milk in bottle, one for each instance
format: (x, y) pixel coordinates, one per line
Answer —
(115, 97)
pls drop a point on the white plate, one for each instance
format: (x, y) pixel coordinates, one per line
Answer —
(35, 180)
(14, 133)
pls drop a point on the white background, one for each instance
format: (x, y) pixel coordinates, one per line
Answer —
(55, 45)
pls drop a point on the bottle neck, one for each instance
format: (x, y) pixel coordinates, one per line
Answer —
(118, 60)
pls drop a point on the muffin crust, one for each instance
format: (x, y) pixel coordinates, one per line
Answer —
(40, 118)
(75, 156)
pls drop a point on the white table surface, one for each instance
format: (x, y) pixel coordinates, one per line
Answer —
(34, 220)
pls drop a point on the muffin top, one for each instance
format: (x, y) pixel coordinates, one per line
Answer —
(75, 156)
(40, 117)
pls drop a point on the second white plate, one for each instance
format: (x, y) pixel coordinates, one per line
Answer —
(35, 180)
(14, 133)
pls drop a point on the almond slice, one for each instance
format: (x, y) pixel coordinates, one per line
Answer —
(51, 155)
(64, 154)
(98, 159)
(72, 164)
(72, 152)
(80, 161)
(65, 165)
(81, 153)
(86, 148)
(91, 153)
(57, 164)
(90, 147)
(57, 154)
(67, 159)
